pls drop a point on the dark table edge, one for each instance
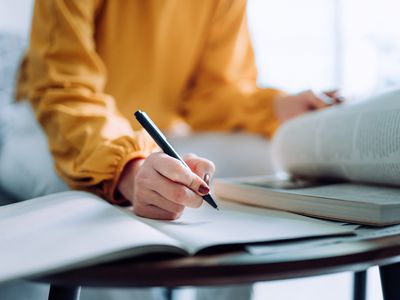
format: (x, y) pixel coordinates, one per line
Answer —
(235, 267)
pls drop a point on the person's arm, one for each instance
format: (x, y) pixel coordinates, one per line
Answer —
(223, 94)
(160, 186)
(89, 139)
(93, 145)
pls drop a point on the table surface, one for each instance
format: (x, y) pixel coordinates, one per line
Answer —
(232, 267)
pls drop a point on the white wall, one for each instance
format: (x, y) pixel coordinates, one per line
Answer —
(294, 42)
(350, 44)
(371, 44)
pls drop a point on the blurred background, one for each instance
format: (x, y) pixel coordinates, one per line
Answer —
(353, 45)
(350, 44)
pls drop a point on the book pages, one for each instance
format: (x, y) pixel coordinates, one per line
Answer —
(357, 142)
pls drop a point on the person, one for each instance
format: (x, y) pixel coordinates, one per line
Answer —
(91, 64)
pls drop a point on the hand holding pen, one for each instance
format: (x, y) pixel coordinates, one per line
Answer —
(160, 186)
(289, 106)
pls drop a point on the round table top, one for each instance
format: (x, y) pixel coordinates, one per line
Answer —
(233, 267)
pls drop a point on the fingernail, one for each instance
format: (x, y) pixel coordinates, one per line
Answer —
(207, 178)
(203, 190)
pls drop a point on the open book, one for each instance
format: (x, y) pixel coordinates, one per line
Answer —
(73, 229)
(354, 143)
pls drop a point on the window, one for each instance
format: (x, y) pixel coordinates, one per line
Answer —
(322, 44)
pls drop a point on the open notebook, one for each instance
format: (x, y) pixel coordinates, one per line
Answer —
(71, 229)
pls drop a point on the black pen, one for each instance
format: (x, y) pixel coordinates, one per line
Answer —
(162, 142)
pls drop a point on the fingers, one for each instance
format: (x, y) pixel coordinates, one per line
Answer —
(163, 186)
(204, 168)
(331, 93)
(155, 199)
(154, 212)
(156, 206)
(175, 171)
(329, 97)
(316, 100)
(290, 106)
(176, 193)
(334, 94)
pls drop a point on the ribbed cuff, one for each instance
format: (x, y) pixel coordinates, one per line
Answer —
(266, 104)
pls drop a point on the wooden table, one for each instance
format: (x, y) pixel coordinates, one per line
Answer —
(233, 267)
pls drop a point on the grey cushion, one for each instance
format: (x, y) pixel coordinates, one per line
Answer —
(5, 198)
(12, 48)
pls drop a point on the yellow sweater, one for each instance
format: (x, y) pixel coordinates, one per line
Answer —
(91, 64)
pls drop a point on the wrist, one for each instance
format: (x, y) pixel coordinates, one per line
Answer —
(127, 179)
(280, 108)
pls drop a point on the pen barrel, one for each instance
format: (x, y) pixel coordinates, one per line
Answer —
(209, 200)
(167, 148)
(157, 136)
(162, 142)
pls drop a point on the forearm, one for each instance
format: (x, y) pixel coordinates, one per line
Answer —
(125, 185)
(89, 140)
(232, 109)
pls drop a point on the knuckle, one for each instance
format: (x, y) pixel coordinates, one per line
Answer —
(140, 180)
(175, 176)
(204, 165)
(180, 194)
(179, 174)
(149, 161)
(177, 208)
(174, 215)
(169, 215)
(179, 214)
(188, 178)
(208, 166)
(212, 166)
(197, 166)
(154, 155)
(138, 195)
(138, 210)
(197, 202)
(144, 176)
(155, 159)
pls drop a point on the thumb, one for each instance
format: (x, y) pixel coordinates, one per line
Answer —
(202, 167)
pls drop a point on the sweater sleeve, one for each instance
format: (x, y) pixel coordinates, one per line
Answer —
(88, 137)
(223, 94)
